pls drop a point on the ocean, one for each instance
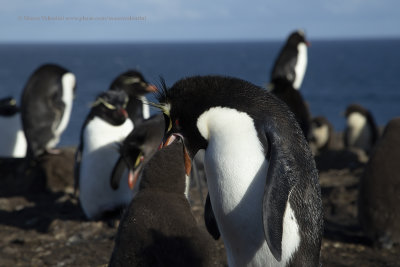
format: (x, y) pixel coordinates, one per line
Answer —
(340, 72)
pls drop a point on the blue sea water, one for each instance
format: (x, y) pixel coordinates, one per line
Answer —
(339, 72)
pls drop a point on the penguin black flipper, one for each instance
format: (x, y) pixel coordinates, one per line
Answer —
(117, 173)
(209, 219)
(276, 193)
(78, 159)
(284, 171)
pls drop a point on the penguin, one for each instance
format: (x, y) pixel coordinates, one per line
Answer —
(135, 85)
(284, 90)
(13, 141)
(291, 63)
(105, 127)
(158, 228)
(378, 201)
(261, 176)
(361, 131)
(46, 106)
(321, 133)
(137, 148)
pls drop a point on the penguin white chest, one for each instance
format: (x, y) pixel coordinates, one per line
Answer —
(236, 170)
(358, 133)
(12, 141)
(234, 155)
(99, 155)
(301, 65)
(321, 135)
(145, 108)
(68, 83)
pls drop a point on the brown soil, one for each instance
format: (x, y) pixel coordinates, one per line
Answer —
(41, 223)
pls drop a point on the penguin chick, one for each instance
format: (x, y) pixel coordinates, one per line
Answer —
(158, 228)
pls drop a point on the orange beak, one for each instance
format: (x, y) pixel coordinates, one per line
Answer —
(123, 112)
(133, 176)
(151, 88)
(188, 162)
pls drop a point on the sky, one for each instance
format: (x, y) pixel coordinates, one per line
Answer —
(194, 20)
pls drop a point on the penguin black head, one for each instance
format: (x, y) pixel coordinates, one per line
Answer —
(8, 106)
(297, 37)
(133, 83)
(137, 149)
(110, 106)
(188, 98)
(355, 108)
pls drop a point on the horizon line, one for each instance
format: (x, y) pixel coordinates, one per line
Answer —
(169, 41)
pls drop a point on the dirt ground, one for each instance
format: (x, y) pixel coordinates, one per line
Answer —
(41, 223)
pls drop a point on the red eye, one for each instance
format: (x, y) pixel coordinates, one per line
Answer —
(177, 123)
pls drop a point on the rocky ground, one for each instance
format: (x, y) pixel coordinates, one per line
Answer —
(41, 223)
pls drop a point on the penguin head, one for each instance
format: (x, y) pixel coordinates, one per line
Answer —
(8, 106)
(110, 106)
(189, 98)
(133, 83)
(139, 147)
(297, 37)
(182, 105)
(353, 108)
(141, 144)
(356, 116)
(321, 132)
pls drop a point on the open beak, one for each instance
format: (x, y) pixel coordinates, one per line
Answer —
(133, 177)
(123, 112)
(170, 139)
(151, 88)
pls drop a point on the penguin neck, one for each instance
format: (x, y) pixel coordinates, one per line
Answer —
(145, 108)
(236, 169)
(301, 65)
